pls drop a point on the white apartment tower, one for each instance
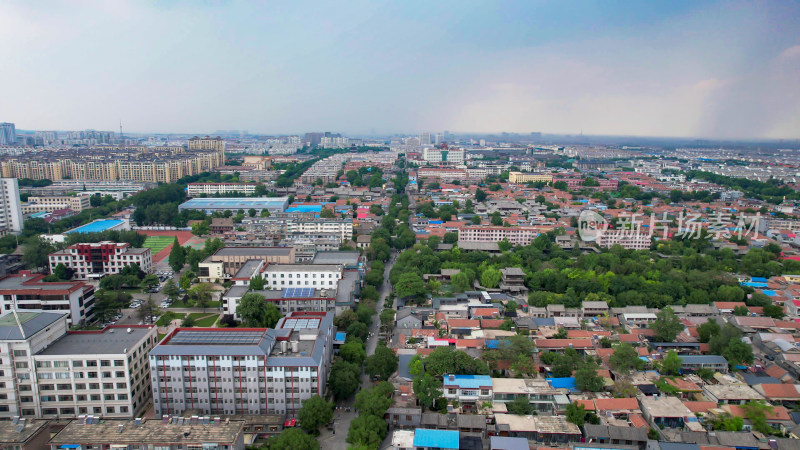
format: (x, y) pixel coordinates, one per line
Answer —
(10, 206)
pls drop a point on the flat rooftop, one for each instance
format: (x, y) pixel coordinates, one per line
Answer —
(31, 323)
(9, 434)
(336, 257)
(252, 251)
(151, 432)
(303, 268)
(234, 203)
(111, 340)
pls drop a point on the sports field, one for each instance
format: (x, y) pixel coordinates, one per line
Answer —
(158, 243)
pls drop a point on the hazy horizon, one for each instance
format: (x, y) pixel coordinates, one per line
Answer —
(703, 70)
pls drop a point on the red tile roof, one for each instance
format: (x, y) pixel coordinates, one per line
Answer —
(616, 404)
(780, 391)
(700, 407)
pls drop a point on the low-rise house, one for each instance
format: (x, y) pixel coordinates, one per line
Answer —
(731, 393)
(615, 435)
(436, 439)
(544, 398)
(403, 418)
(696, 362)
(776, 417)
(665, 412)
(469, 390)
(166, 434)
(594, 308)
(508, 443)
(785, 394)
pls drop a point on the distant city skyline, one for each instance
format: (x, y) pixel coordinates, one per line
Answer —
(664, 69)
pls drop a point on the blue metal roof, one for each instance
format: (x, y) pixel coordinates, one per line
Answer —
(96, 227)
(563, 383)
(424, 437)
(769, 293)
(467, 381)
(752, 284)
(758, 279)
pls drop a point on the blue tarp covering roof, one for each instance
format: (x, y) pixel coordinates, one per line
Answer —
(758, 279)
(424, 437)
(563, 383)
(751, 284)
(770, 293)
(491, 343)
(341, 336)
(467, 381)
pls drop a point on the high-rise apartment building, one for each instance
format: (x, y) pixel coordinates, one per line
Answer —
(425, 138)
(10, 206)
(8, 134)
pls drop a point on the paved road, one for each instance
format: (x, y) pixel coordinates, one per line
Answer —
(341, 417)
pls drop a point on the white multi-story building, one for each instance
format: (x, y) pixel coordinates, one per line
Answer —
(481, 233)
(318, 276)
(24, 292)
(197, 189)
(49, 372)
(10, 206)
(443, 155)
(626, 238)
(97, 259)
(251, 371)
(51, 203)
(340, 227)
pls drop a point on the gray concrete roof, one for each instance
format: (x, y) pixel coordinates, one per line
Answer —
(31, 321)
(112, 340)
(336, 257)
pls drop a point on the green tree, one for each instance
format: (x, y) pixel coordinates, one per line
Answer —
(353, 352)
(625, 359)
(382, 363)
(671, 364)
(520, 406)
(460, 282)
(375, 400)
(587, 379)
(327, 213)
(427, 389)
(480, 195)
(292, 439)
(200, 228)
(344, 379)
(504, 245)
(756, 412)
(314, 413)
(741, 310)
(36, 253)
(576, 413)
(367, 430)
(62, 273)
(410, 284)
(170, 290)
(707, 330)
(256, 313)
(667, 326)
(774, 311)
(476, 220)
(177, 257)
(257, 283)
(150, 281)
(185, 282)
(490, 277)
(446, 360)
(451, 237)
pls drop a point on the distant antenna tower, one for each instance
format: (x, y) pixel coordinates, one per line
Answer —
(121, 136)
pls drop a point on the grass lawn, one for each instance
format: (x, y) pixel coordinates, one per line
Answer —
(158, 243)
(161, 336)
(204, 320)
(181, 304)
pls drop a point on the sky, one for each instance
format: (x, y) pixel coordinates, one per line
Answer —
(674, 68)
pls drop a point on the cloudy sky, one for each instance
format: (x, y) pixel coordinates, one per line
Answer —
(673, 68)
